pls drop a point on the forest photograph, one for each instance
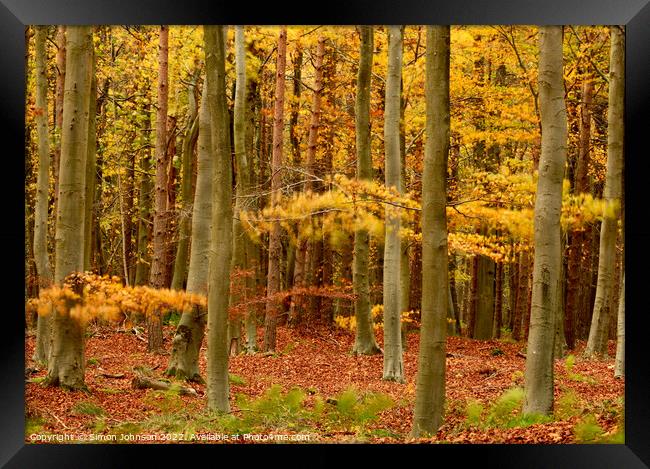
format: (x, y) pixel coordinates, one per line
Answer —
(324, 234)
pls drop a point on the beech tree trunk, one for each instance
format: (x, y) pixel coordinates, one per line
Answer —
(144, 210)
(66, 364)
(255, 280)
(364, 339)
(393, 362)
(221, 242)
(185, 222)
(58, 111)
(91, 163)
(597, 343)
(619, 364)
(186, 344)
(160, 219)
(548, 205)
(41, 256)
(273, 306)
(240, 238)
(430, 384)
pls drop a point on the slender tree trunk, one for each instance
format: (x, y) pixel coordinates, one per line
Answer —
(252, 249)
(513, 287)
(186, 344)
(221, 242)
(498, 300)
(430, 383)
(522, 296)
(619, 364)
(364, 342)
(405, 267)
(597, 343)
(295, 103)
(90, 166)
(171, 220)
(275, 247)
(305, 251)
(455, 308)
(416, 278)
(560, 347)
(575, 268)
(128, 219)
(240, 238)
(473, 295)
(66, 364)
(58, 110)
(484, 318)
(548, 205)
(393, 362)
(144, 209)
(160, 219)
(185, 222)
(41, 256)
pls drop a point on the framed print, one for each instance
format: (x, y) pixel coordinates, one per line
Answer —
(365, 224)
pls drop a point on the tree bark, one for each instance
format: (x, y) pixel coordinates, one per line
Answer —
(186, 344)
(240, 238)
(548, 205)
(253, 249)
(160, 219)
(185, 222)
(221, 242)
(430, 384)
(393, 361)
(41, 256)
(275, 247)
(619, 364)
(91, 167)
(364, 339)
(66, 363)
(58, 111)
(144, 209)
(597, 343)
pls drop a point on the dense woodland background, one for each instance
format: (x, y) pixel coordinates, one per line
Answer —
(319, 206)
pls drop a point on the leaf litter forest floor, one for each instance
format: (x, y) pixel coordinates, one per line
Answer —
(588, 399)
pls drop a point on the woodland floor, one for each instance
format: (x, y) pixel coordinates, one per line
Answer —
(319, 360)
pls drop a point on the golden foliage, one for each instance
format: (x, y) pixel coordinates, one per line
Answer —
(495, 219)
(85, 296)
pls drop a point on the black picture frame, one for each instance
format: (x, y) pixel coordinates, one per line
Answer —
(634, 14)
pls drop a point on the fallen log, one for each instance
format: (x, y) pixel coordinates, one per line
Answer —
(142, 382)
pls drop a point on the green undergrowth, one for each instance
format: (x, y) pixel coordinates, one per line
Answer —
(587, 429)
(87, 408)
(569, 363)
(506, 412)
(291, 412)
(236, 380)
(34, 425)
(172, 318)
(92, 361)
